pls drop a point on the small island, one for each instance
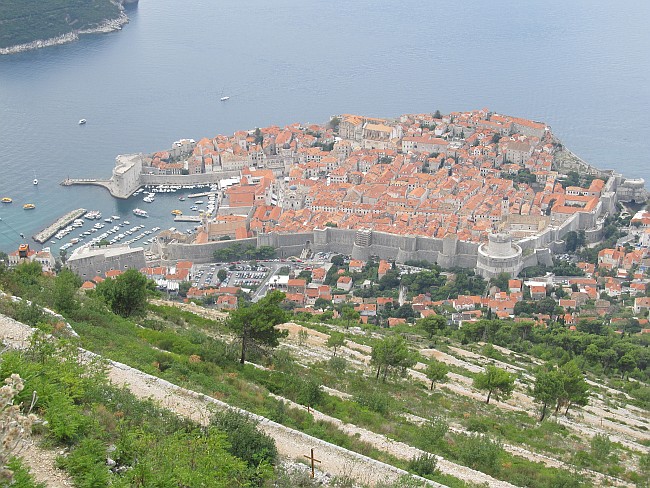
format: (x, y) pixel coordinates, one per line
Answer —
(36, 24)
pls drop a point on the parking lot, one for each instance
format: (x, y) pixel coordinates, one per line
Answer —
(247, 276)
(237, 274)
(205, 276)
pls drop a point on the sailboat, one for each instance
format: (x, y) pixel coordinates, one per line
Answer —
(224, 98)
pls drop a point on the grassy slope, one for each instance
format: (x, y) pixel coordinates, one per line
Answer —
(29, 20)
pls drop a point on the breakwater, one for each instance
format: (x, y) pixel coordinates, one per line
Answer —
(187, 218)
(60, 223)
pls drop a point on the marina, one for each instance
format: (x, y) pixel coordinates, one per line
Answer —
(112, 236)
(60, 223)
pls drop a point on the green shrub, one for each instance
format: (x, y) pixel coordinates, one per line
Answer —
(337, 365)
(377, 401)
(283, 360)
(478, 424)
(601, 446)
(480, 452)
(246, 441)
(86, 463)
(21, 476)
(423, 465)
(66, 421)
(433, 432)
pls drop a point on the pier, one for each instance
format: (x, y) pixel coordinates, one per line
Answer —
(59, 224)
(187, 218)
(204, 194)
(88, 181)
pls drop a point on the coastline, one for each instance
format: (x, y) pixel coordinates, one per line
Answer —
(108, 25)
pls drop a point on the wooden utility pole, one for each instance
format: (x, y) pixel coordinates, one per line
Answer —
(313, 460)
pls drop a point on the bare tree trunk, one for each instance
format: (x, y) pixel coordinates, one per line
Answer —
(543, 413)
(243, 346)
(489, 395)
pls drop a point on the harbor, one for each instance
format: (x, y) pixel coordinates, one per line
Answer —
(60, 223)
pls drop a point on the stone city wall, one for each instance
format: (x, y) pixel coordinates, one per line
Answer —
(448, 252)
(194, 179)
(199, 253)
(89, 266)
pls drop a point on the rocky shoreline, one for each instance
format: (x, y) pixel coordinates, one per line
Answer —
(109, 25)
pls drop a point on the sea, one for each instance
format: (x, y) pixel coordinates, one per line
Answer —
(581, 66)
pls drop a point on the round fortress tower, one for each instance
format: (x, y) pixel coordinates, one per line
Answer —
(499, 255)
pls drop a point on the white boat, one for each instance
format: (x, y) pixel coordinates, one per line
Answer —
(115, 217)
(140, 213)
(223, 99)
(82, 121)
(35, 181)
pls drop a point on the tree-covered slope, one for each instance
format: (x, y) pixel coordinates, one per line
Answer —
(25, 21)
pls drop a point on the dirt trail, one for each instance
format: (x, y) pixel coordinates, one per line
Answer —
(41, 462)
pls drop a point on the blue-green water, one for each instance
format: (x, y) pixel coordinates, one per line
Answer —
(581, 66)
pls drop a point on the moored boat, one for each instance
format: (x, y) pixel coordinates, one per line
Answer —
(140, 213)
(29, 206)
(6, 200)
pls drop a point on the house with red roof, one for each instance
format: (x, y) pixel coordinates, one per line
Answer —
(296, 285)
(537, 292)
(226, 302)
(641, 304)
(393, 321)
(344, 283)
